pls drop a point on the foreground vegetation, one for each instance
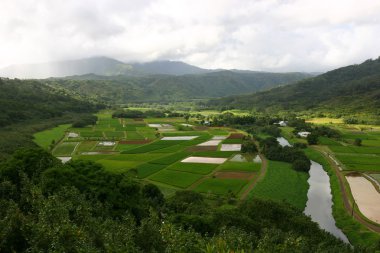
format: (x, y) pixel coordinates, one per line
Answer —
(47, 206)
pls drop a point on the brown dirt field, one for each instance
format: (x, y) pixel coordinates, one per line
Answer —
(135, 142)
(202, 148)
(236, 136)
(237, 175)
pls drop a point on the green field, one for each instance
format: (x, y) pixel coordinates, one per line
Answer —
(169, 159)
(132, 135)
(360, 162)
(135, 157)
(240, 166)
(45, 138)
(197, 168)
(86, 146)
(152, 147)
(221, 186)
(65, 148)
(282, 183)
(124, 147)
(175, 178)
(158, 161)
(147, 169)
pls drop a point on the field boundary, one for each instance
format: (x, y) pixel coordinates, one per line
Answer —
(259, 177)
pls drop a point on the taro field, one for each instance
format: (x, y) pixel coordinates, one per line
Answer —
(364, 158)
(169, 152)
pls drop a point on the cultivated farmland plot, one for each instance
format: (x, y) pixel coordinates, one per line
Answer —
(230, 147)
(181, 158)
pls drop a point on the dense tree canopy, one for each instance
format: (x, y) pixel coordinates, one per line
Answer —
(79, 206)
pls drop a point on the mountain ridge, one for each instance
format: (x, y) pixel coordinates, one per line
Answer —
(99, 65)
(155, 88)
(354, 88)
(105, 66)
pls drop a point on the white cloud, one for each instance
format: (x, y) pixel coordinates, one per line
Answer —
(275, 35)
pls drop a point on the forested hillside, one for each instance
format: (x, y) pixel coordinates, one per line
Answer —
(46, 206)
(352, 89)
(28, 106)
(121, 89)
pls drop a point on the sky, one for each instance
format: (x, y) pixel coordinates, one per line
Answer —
(266, 35)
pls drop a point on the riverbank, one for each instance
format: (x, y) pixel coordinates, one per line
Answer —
(319, 201)
(357, 233)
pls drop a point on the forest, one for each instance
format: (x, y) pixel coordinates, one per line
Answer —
(28, 106)
(47, 206)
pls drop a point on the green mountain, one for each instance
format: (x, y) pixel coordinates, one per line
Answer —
(28, 106)
(351, 89)
(158, 88)
(23, 100)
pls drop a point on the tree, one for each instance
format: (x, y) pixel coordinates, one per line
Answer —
(153, 194)
(312, 139)
(248, 146)
(301, 165)
(186, 117)
(358, 142)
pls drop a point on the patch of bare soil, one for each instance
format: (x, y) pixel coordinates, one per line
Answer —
(236, 136)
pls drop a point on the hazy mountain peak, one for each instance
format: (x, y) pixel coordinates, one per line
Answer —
(99, 65)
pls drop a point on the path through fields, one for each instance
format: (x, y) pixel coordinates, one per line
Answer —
(263, 171)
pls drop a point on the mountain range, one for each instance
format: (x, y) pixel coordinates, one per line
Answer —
(350, 89)
(165, 88)
(102, 66)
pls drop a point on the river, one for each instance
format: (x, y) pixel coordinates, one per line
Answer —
(319, 201)
(319, 198)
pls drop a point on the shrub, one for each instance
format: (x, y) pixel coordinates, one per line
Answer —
(312, 139)
(301, 165)
(358, 142)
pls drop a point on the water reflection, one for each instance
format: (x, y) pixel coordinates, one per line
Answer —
(319, 203)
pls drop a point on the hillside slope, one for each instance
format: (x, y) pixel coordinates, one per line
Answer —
(21, 101)
(158, 88)
(350, 89)
(30, 106)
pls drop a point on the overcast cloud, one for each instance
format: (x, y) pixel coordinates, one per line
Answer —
(274, 35)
